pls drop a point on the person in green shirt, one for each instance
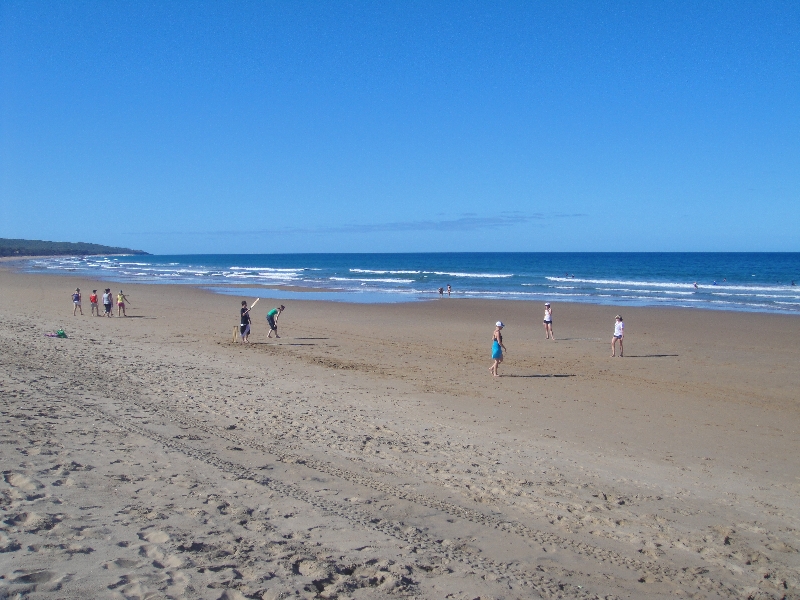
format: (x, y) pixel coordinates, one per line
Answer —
(272, 319)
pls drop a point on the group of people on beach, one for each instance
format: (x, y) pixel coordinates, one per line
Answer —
(108, 299)
(498, 347)
(245, 321)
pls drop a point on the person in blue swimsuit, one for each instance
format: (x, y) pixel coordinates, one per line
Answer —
(497, 348)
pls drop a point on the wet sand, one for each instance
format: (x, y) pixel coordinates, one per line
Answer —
(368, 453)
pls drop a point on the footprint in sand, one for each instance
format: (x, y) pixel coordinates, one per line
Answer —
(22, 482)
(32, 522)
(35, 577)
(232, 595)
(154, 537)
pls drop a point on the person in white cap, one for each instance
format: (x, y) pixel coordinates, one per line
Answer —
(497, 348)
(548, 322)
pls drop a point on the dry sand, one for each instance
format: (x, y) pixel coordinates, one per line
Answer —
(368, 453)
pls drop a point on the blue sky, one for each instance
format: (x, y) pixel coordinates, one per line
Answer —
(402, 126)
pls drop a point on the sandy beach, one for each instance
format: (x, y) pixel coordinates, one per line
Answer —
(368, 452)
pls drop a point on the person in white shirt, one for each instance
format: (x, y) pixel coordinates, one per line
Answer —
(548, 322)
(619, 333)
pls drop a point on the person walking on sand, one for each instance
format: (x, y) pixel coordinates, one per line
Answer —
(107, 303)
(121, 299)
(76, 302)
(497, 348)
(272, 320)
(619, 333)
(93, 302)
(244, 323)
(548, 322)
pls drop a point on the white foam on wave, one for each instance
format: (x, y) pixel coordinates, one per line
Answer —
(269, 276)
(476, 275)
(270, 269)
(371, 280)
(385, 272)
(674, 284)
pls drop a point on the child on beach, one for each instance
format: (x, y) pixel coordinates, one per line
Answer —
(619, 333)
(497, 348)
(76, 301)
(272, 320)
(93, 301)
(548, 322)
(121, 299)
(244, 323)
(107, 303)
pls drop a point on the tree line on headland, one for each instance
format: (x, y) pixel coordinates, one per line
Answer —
(9, 247)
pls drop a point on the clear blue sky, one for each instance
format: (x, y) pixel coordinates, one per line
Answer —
(402, 126)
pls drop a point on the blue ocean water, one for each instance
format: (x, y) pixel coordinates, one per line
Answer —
(761, 282)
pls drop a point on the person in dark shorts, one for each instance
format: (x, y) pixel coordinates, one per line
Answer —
(244, 323)
(76, 302)
(272, 320)
(107, 299)
(548, 322)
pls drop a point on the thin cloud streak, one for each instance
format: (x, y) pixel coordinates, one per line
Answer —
(464, 223)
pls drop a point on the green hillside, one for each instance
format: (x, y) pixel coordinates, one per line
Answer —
(9, 247)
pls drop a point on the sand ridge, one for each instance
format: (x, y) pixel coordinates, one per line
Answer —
(368, 453)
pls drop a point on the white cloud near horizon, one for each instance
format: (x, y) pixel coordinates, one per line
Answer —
(467, 222)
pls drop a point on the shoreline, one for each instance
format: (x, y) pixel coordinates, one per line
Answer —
(390, 298)
(209, 288)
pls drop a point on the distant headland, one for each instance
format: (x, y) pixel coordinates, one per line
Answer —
(9, 247)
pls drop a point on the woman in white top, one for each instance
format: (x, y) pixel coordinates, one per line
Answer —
(548, 322)
(619, 333)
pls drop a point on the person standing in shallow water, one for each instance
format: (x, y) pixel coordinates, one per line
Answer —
(497, 348)
(619, 333)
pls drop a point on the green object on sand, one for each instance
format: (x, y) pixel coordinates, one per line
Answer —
(61, 333)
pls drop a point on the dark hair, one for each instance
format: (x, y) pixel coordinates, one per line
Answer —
(244, 302)
(283, 307)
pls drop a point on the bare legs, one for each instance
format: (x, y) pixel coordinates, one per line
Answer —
(614, 341)
(495, 365)
(548, 331)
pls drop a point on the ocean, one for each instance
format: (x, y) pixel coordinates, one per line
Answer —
(759, 282)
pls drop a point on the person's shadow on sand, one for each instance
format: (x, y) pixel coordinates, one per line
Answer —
(540, 375)
(649, 355)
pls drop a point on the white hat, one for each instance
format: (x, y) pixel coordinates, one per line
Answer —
(499, 324)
